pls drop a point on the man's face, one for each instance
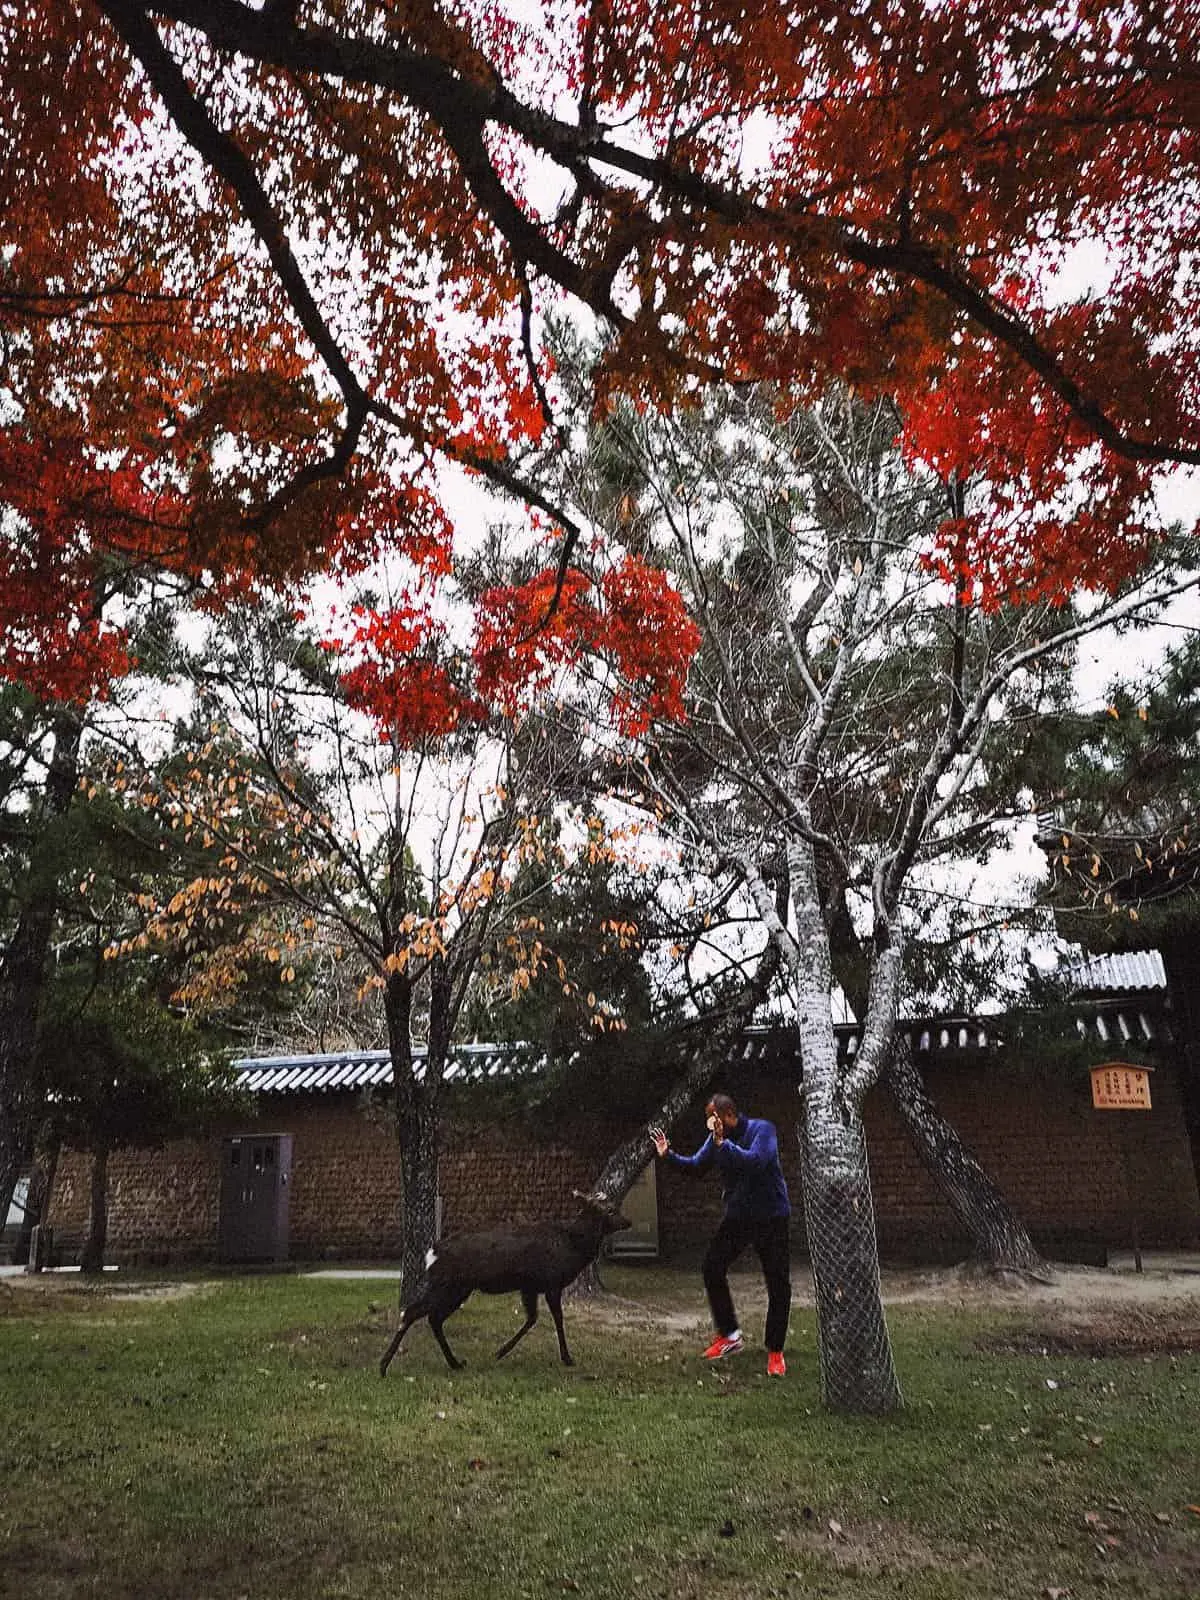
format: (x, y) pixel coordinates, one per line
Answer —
(728, 1118)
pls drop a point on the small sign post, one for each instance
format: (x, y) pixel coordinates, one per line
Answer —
(1120, 1086)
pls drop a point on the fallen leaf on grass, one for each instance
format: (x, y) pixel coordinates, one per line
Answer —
(1056, 1594)
(836, 1531)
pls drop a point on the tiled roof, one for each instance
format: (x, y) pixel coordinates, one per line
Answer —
(368, 1069)
(771, 1048)
(1132, 969)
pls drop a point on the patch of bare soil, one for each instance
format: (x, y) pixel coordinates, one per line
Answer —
(1071, 1286)
(863, 1549)
(164, 1291)
(1120, 1312)
(1102, 1331)
(34, 1294)
(871, 1548)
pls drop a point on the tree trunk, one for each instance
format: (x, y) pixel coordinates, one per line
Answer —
(417, 1126)
(418, 1113)
(92, 1259)
(10, 1171)
(23, 966)
(1000, 1241)
(857, 1370)
(41, 1189)
(1181, 958)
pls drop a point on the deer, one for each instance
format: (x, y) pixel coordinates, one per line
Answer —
(538, 1260)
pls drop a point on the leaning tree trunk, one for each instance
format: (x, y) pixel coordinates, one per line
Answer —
(620, 1172)
(857, 1370)
(92, 1259)
(1000, 1241)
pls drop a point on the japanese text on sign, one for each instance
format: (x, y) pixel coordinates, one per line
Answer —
(1119, 1087)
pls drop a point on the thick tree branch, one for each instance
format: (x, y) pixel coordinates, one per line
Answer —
(461, 107)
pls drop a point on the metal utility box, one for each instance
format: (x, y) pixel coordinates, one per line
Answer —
(256, 1174)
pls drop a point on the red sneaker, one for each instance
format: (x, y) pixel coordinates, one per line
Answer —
(776, 1365)
(723, 1345)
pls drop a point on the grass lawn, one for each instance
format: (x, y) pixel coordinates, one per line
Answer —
(237, 1441)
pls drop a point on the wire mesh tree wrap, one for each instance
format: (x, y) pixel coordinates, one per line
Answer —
(857, 1371)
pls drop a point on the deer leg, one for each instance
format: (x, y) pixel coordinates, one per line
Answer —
(529, 1301)
(412, 1313)
(554, 1301)
(445, 1305)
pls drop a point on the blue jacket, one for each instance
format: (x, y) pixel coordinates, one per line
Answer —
(748, 1160)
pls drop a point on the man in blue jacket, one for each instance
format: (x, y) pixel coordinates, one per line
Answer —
(745, 1150)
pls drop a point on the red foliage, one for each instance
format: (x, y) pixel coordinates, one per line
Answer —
(632, 619)
(524, 638)
(646, 630)
(279, 264)
(397, 681)
(54, 543)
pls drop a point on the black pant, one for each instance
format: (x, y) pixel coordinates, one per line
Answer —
(769, 1236)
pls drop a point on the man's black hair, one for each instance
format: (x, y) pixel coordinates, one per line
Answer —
(722, 1103)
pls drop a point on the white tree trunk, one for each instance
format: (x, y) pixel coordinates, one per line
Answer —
(857, 1370)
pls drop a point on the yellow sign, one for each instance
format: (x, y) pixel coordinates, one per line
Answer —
(1118, 1086)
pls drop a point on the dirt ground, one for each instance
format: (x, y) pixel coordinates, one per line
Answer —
(1085, 1310)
